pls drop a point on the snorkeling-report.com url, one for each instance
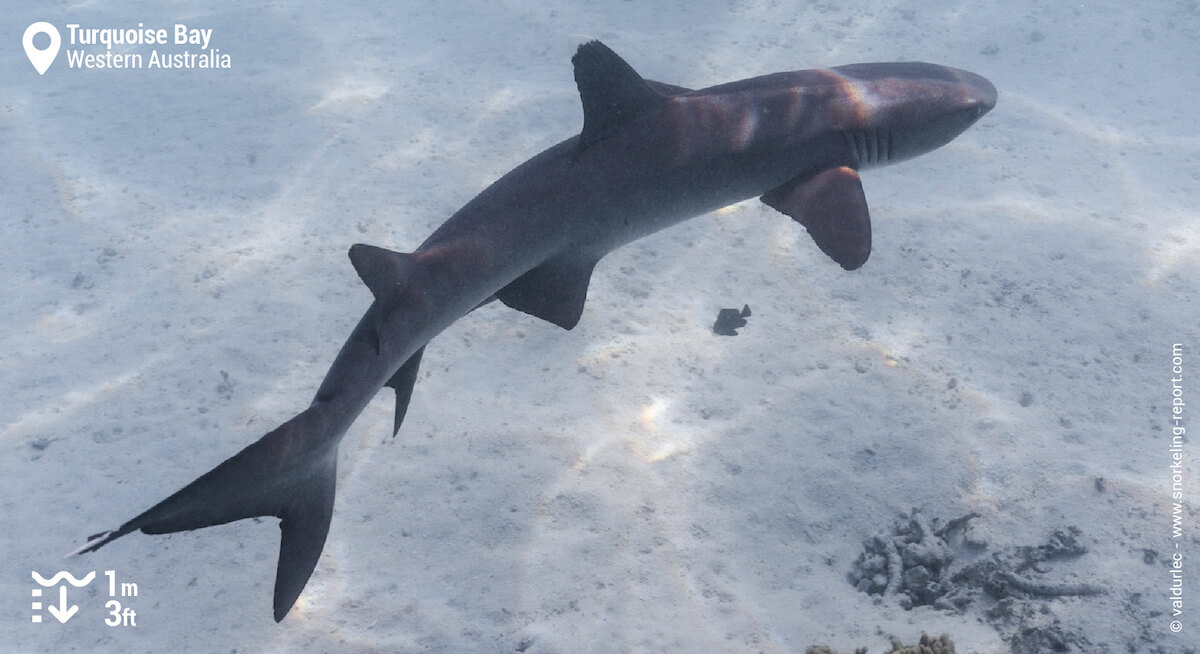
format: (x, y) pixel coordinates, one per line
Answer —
(1177, 465)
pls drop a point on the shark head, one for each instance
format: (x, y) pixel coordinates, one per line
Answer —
(890, 112)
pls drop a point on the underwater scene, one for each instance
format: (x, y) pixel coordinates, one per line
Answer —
(588, 327)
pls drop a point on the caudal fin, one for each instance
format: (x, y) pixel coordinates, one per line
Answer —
(290, 473)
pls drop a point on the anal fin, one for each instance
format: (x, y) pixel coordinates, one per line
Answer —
(402, 382)
(832, 206)
(554, 291)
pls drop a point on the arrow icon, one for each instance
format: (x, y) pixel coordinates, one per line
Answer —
(61, 612)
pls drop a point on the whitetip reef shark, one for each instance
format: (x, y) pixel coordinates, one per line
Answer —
(650, 155)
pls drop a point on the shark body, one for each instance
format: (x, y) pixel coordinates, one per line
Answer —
(650, 155)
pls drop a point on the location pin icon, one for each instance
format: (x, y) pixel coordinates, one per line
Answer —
(41, 59)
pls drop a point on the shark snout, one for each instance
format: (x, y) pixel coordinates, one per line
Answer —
(978, 92)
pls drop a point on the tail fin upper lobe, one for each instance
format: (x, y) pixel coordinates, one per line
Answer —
(290, 473)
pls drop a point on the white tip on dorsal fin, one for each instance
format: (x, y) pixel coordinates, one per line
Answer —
(576, 40)
(613, 93)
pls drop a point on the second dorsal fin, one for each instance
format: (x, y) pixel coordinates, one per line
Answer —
(611, 90)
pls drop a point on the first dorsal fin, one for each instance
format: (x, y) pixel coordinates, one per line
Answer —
(663, 88)
(611, 90)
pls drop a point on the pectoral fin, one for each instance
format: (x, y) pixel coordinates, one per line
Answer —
(831, 205)
(554, 291)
